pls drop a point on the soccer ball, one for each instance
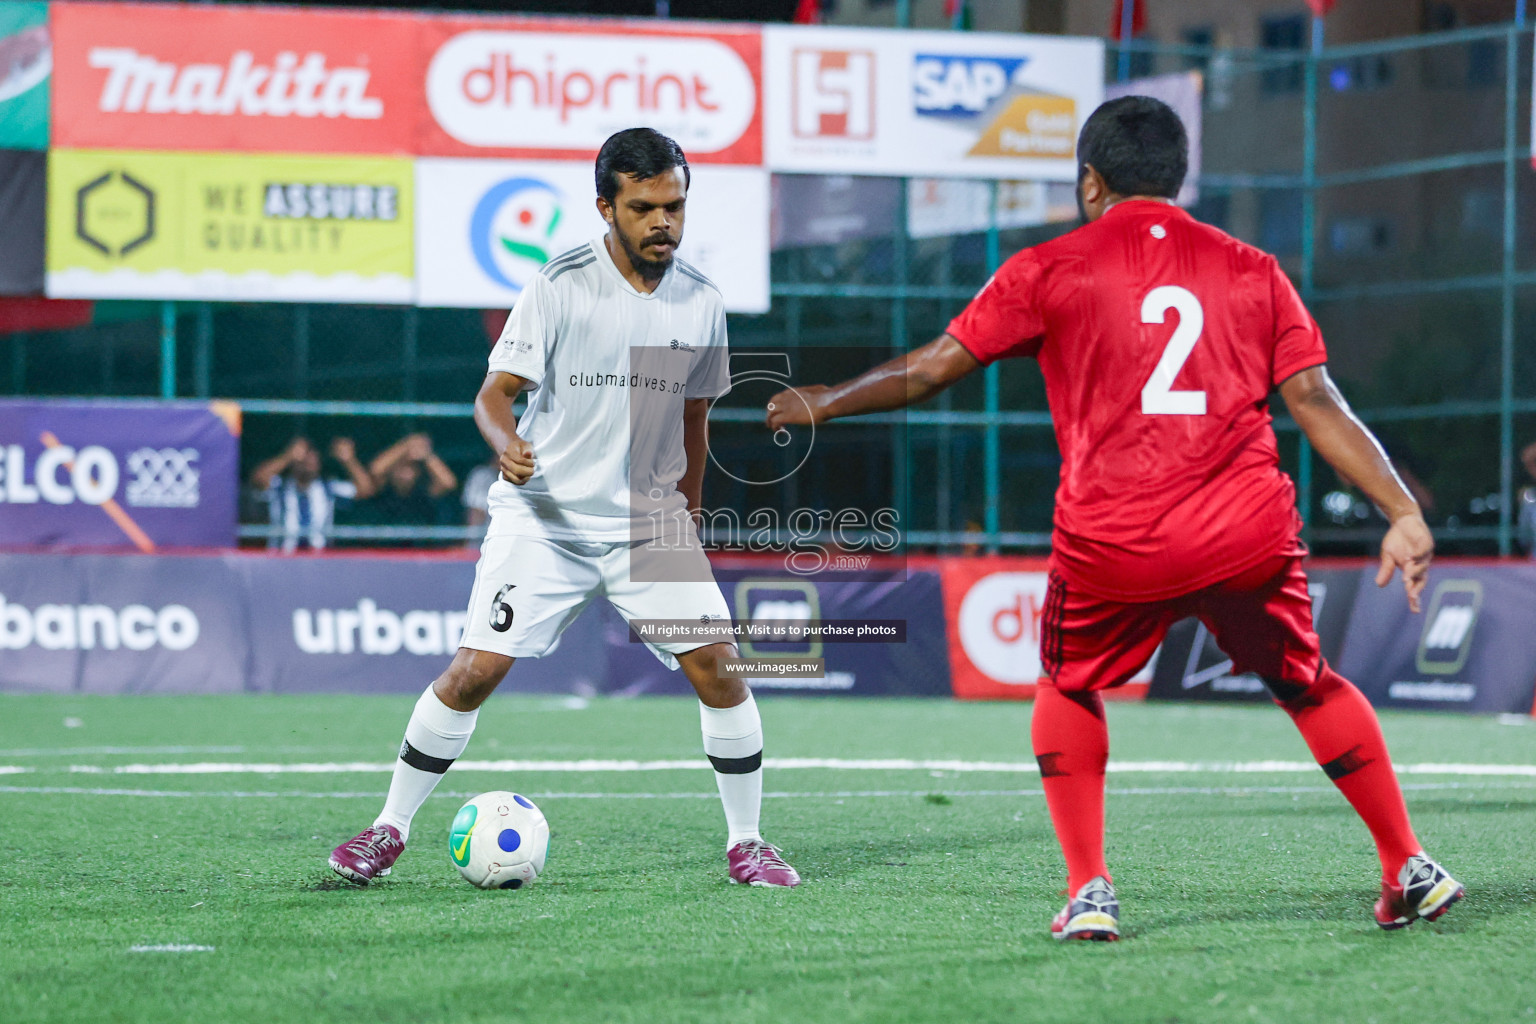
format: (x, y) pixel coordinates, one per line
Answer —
(499, 841)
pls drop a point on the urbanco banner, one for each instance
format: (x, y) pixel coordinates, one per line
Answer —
(485, 227)
(133, 225)
(552, 89)
(115, 474)
(942, 104)
(231, 77)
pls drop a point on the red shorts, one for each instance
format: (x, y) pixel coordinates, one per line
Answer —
(1261, 619)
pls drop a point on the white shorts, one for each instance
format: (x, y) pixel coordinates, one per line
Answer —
(528, 589)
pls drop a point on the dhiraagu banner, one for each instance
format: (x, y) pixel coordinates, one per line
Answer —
(26, 66)
(229, 226)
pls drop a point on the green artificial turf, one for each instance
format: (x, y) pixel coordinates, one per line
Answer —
(927, 896)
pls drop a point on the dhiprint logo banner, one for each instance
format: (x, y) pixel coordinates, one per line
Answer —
(557, 90)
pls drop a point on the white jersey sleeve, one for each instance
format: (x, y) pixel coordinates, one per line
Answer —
(710, 375)
(528, 339)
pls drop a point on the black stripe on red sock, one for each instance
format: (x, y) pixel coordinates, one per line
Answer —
(1352, 760)
(737, 765)
(424, 762)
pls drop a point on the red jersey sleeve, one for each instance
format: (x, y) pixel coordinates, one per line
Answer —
(1004, 317)
(1298, 344)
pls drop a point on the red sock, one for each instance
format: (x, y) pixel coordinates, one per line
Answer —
(1342, 732)
(1072, 745)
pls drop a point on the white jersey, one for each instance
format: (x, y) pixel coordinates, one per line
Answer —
(611, 367)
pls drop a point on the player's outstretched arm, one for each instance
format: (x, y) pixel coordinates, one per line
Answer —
(906, 380)
(1350, 448)
(493, 415)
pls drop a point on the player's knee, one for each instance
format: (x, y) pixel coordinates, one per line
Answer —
(1295, 695)
(702, 666)
(471, 678)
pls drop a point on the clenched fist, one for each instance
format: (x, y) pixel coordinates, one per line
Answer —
(516, 461)
(797, 407)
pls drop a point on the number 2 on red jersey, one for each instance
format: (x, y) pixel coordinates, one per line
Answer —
(1157, 396)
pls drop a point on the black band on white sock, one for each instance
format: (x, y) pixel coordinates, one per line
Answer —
(424, 762)
(737, 765)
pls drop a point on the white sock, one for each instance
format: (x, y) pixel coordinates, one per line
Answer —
(434, 737)
(733, 739)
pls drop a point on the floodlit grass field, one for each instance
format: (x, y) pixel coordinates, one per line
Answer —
(1246, 895)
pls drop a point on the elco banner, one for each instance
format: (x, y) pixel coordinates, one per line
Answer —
(950, 104)
(226, 226)
(484, 227)
(118, 475)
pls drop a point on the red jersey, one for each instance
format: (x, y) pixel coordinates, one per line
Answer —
(1160, 339)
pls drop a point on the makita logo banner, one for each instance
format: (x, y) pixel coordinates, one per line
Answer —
(205, 78)
(138, 83)
(551, 90)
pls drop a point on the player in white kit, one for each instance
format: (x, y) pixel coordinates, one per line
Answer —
(621, 346)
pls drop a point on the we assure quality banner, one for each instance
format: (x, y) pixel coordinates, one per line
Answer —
(485, 227)
(229, 226)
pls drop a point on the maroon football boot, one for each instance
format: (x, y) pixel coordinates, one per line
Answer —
(754, 862)
(368, 855)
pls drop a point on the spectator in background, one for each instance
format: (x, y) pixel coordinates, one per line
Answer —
(300, 500)
(410, 480)
(476, 498)
(1526, 502)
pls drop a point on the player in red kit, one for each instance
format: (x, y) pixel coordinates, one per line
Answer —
(1161, 339)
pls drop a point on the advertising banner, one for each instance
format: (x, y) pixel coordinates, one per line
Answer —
(555, 90)
(26, 65)
(23, 185)
(1472, 649)
(946, 104)
(384, 625)
(118, 475)
(121, 624)
(1192, 666)
(227, 77)
(232, 227)
(914, 666)
(485, 227)
(992, 607)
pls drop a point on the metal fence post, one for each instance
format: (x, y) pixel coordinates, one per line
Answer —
(993, 442)
(168, 349)
(202, 355)
(1308, 248)
(901, 449)
(1507, 298)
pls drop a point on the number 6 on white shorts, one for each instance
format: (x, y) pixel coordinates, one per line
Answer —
(1158, 397)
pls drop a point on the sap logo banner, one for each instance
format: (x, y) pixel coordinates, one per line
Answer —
(557, 94)
(921, 104)
(992, 96)
(1472, 649)
(484, 228)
